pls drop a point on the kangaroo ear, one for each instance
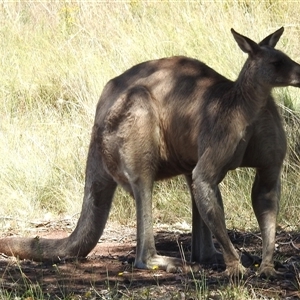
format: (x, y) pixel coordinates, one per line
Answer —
(272, 39)
(245, 43)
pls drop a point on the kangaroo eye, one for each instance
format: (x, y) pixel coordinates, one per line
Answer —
(277, 63)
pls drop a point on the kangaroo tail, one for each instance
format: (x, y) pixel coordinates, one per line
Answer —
(98, 195)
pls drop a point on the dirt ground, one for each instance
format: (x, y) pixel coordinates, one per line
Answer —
(107, 272)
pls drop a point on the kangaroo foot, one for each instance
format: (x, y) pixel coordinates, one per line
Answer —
(235, 270)
(215, 260)
(268, 271)
(169, 264)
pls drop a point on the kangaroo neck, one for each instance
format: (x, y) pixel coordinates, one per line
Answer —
(252, 94)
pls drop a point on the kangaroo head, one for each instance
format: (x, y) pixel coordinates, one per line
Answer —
(269, 66)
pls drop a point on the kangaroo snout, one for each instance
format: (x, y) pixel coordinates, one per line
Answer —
(295, 77)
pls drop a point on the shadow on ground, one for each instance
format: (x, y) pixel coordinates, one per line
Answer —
(107, 273)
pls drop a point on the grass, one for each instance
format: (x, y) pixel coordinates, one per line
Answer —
(57, 56)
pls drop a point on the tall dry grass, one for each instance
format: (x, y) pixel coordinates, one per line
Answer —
(57, 56)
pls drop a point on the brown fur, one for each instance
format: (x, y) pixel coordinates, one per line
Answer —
(175, 116)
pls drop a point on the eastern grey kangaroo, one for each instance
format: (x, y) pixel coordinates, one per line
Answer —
(173, 116)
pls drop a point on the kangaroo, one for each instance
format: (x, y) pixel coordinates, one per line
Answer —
(173, 116)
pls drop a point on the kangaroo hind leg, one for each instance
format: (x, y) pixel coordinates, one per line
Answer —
(132, 146)
(203, 249)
